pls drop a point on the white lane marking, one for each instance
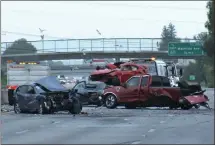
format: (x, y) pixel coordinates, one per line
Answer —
(136, 142)
(162, 122)
(21, 132)
(170, 115)
(62, 126)
(151, 130)
(143, 135)
(126, 119)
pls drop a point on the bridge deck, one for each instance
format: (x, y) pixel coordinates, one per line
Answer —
(100, 44)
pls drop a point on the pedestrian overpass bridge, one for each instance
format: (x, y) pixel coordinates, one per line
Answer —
(91, 48)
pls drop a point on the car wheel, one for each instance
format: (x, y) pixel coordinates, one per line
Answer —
(186, 107)
(42, 108)
(76, 107)
(130, 106)
(197, 106)
(16, 108)
(111, 101)
(99, 103)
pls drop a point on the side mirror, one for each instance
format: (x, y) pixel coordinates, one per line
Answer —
(75, 90)
(123, 85)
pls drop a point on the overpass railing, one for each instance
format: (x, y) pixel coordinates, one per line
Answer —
(100, 44)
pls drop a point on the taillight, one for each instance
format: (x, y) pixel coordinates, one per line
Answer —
(11, 87)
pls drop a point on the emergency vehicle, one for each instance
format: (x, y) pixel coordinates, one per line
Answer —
(161, 68)
(19, 73)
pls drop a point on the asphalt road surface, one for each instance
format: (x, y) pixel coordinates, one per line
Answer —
(111, 126)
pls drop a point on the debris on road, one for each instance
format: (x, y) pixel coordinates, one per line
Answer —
(6, 108)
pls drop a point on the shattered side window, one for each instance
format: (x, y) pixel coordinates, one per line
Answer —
(166, 82)
(134, 68)
(80, 86)
(156, 81)
(144, 81)
(39, 89)
(133, 82)
(23, 89)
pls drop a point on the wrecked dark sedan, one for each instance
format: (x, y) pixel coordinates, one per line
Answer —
(45, 96)
(90, 92)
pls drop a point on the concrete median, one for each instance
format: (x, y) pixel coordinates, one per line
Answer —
(4, 96)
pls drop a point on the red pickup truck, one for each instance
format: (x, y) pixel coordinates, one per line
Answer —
(148, 91)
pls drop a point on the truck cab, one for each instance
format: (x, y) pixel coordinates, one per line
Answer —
(143, 90)
(160, 68)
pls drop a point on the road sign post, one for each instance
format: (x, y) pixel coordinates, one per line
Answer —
(185, 49)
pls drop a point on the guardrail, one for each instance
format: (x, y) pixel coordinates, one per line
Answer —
(95, 45)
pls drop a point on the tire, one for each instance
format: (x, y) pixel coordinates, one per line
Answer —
(110, 101)
(186, 107)
(115, 81)
(76, 107)
(10, 97)
(16, 108)
(171, 107)
(42, 109)
(130, 106)
(99, 103)
(197, 106)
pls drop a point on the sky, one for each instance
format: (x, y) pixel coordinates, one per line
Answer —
(78, 20)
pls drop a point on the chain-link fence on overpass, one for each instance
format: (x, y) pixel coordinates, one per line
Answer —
(96, 45)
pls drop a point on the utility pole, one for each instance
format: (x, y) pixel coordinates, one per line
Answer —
(42, 37)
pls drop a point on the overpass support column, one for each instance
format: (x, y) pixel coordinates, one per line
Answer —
(117, 59)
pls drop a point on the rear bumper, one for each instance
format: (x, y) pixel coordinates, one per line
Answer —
(10, 96)
(194, 99)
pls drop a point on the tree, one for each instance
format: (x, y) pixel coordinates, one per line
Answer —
(168, 35)
(210, 23)
(209, 43)
(203, 64)
(20, 46)
(172, 31)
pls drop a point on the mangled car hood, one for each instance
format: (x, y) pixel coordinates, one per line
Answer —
(51, 83)
(103, 71)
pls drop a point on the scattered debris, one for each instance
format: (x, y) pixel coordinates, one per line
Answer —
(6, 108)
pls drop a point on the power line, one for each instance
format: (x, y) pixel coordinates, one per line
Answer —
(139, 19)
(146, 6)
(180, 21)
(27, 34)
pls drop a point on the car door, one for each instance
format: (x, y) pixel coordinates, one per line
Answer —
(131, 92)
(21, 96)
(155, 89)
(30, 96)
(144, 89)
(82, 92)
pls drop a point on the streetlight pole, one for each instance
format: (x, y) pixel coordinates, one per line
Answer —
(42, 37)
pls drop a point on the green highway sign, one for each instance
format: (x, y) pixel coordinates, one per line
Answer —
(192, 77)
(185, 49)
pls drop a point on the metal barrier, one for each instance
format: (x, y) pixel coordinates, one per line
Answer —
(94, 45)
(4, 96)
